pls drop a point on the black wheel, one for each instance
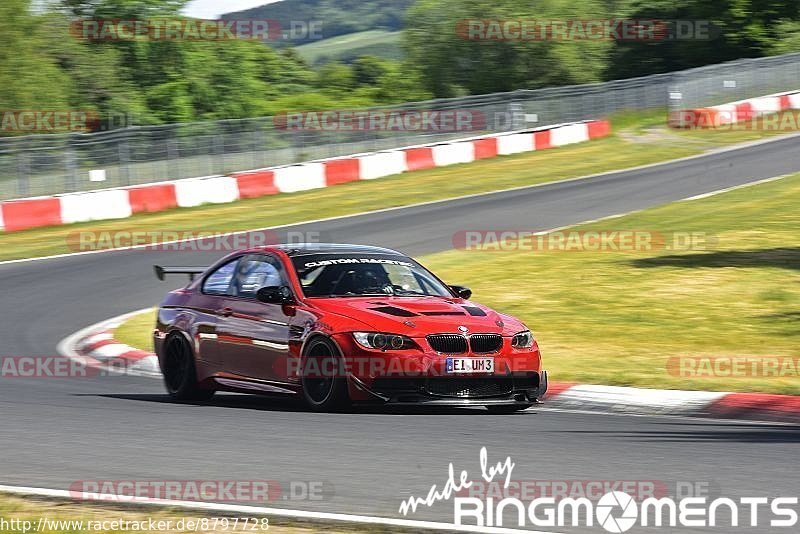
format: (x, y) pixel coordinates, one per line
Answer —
(180, 375)
(508, 408)
(323, 378)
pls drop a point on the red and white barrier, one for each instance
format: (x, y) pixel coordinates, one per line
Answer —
(766, 104)
(515, 143)
(735, 112)
(485, 148)
(95, 206)
(31, 213)
(254, 184)
(569, 134)
(119, 203)
(341, 171)
(542, 140)
(153, 198)
(382, 164)
(419, 158)
(453, 153)
(210, 190)
(300, 177)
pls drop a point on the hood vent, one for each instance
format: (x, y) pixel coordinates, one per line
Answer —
(475, 311)
(392, 310)
(442, 313)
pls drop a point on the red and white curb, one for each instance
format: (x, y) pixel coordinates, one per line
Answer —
(121, 203)
(97, 344)
(637, 401)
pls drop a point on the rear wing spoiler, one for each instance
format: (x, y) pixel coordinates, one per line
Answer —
(162, 272)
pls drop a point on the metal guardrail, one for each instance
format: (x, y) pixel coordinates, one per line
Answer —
(60, 163)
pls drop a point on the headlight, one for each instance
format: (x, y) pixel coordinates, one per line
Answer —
(523, 340)
(376, 340)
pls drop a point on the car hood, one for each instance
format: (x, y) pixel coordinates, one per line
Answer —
(420, 316)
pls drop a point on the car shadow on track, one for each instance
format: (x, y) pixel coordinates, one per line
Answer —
(283, 404)
(706, 432)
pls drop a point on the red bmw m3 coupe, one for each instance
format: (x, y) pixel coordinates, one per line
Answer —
(341, 324)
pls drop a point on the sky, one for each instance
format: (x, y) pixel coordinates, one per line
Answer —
(211, 9)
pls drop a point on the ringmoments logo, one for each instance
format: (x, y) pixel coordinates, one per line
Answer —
(615, 511)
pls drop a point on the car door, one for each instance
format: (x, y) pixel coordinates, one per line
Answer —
(253, 335)
(209, 307)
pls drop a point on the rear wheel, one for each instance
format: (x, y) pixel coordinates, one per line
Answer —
(323, 379)
(508, 408)
(180, 374)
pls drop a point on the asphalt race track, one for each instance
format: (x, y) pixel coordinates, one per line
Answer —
(55, 432)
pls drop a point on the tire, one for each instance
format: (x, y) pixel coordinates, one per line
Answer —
(507, 408)
(323, 393)
(180, 374)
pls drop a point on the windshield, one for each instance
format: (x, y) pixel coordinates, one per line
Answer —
(326, 275)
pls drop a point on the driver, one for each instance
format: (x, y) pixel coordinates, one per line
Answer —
(373, 279)
(361, 279)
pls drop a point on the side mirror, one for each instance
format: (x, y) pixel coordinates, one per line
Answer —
(461, 291)
(275, 295)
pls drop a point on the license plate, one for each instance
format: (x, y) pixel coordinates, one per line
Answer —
(469, 365)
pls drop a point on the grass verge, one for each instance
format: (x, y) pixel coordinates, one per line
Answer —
(71, 517)
(617, 317)
(638, 139)
(138, 331)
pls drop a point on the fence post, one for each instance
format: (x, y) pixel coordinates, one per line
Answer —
(71, 167)
(23, 174)
(219, 150)
(174, 159)
(123, 154)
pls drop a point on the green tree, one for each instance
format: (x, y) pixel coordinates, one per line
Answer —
(452, 64)
(737, 29)
(29, 76)
(336, 77)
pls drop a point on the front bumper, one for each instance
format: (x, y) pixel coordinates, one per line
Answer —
(513, 389)
(420, 376)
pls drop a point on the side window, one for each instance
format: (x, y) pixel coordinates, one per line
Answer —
(219, 281)
(255, 272)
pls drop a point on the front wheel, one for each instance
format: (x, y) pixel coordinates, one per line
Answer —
(508, 408)
(323, 378)
(180, 374)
